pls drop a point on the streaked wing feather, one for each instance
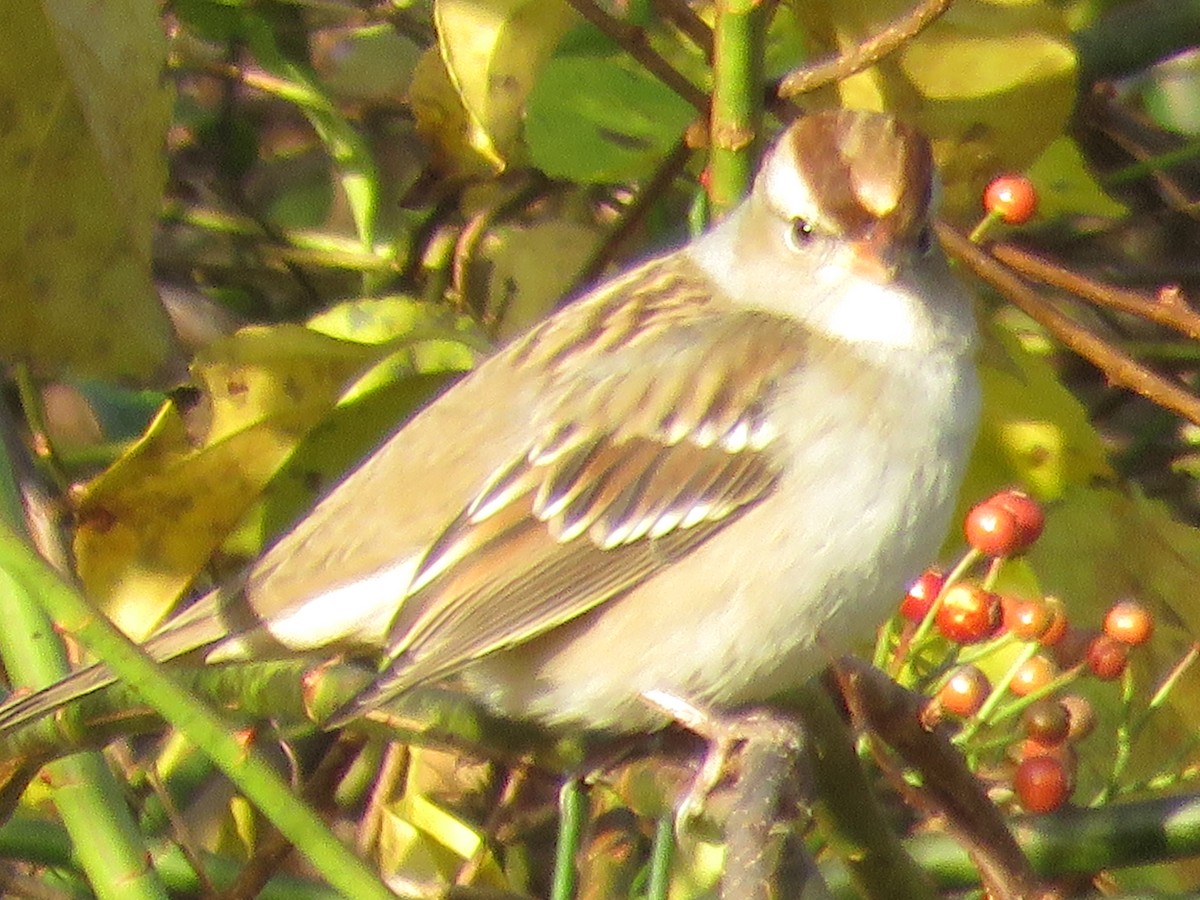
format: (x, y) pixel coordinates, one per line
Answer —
(627, 470)
(483, 603)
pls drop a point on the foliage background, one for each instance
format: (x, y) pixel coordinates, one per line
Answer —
(245, 239)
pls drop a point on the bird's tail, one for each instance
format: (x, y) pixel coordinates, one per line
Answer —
(196, 628)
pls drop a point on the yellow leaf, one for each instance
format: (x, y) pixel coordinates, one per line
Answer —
(1033, 430)
(85, 113)
(492, 50)
(151, 521)
(991, 81)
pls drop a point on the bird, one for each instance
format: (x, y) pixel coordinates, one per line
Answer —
(702, 479)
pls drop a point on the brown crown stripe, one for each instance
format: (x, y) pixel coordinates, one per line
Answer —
(886, 172)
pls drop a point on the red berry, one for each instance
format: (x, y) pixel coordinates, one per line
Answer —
(1047, 722)
(1129, 622)
(920, 596)
(1027, 619)
(1005, 524)
(1033, 675)
(1012, 197)
(1107, 657)
(1031, 520)
(965, 691)
(1042, 783)
(991, 529)
(968, 613)
(1057, 629)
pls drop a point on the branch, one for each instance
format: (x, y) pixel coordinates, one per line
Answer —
(1120, 368)
(1167, 307)
(683, 17)
(867, 53)
(633, 40)
(948, 788)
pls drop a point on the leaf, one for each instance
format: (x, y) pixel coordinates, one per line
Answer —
(443, 123)
(1033, 431)
(83, 116)
(381, 320)
(601, 120)
(371, 63)
(526, 269)
(152, 520)
(492, 50)
(1066, 188)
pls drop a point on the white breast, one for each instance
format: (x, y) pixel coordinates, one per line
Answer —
(795, 581)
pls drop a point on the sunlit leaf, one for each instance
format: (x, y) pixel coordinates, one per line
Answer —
(492, 51)
(601, 119)
(150, 522)
(83, 116)
(527, 268)
(1065, 186)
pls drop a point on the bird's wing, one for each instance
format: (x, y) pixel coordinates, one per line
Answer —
(630, 467)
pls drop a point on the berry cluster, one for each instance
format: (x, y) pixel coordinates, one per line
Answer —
(988, 660)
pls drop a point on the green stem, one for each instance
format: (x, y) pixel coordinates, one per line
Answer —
(199, 724)
(37, 840)
(848, 810)
(738, 38)
(1078, 841)
(572, 808)
(658, 885)
(87, 796)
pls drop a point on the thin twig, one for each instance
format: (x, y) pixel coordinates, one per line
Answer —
(1120, 368)
(396, 758)
(1167, 307)
(866, 53)
(683, 17)
(634, 41)
(633, 214)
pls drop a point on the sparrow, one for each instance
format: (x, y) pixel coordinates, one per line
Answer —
(704, 478)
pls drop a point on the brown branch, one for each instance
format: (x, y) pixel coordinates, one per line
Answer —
(1120, 368)
(948, 788)
(634, 213)
(865, 54)
(683, 17)
(633, 40)
(1167, 307)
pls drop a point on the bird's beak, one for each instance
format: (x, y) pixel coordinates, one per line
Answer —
(875, 257)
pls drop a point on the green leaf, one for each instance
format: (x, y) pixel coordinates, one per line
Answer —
(1066, 187)
(601, 120)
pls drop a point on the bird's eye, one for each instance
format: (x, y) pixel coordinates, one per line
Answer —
(926, 240)
(800, 233)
